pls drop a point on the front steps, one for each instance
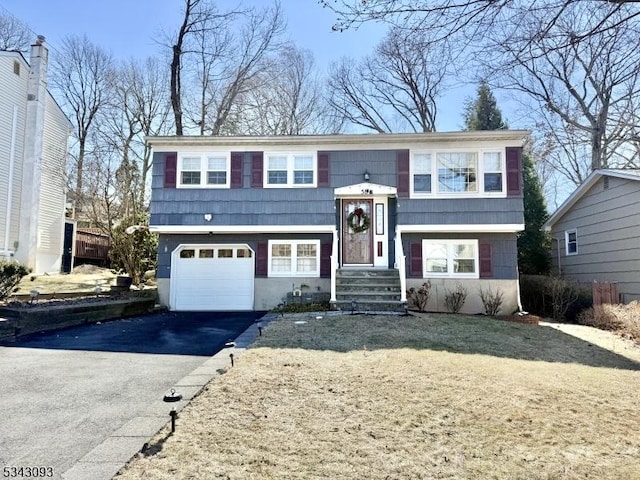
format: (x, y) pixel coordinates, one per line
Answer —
(368, 290)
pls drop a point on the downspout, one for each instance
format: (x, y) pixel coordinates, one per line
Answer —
(558, 250)
(12, 160)
(334, 265)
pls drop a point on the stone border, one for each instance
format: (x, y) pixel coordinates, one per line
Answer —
(16, 321)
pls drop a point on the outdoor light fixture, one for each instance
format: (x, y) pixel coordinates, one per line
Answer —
(366, 175)
(172, 397)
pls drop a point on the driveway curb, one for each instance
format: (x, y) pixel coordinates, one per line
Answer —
(106, 459)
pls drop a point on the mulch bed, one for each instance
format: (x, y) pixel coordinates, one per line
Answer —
(526, 318)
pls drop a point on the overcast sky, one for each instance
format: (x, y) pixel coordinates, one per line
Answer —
(131, 28)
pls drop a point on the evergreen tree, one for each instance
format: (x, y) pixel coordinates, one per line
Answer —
(483, 112)
(534, 245)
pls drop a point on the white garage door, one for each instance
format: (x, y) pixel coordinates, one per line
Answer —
(212, 277)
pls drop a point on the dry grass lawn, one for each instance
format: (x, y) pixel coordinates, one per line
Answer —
(435, 396)
(85, 280)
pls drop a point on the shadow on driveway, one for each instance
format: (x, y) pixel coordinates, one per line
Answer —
(171, 333)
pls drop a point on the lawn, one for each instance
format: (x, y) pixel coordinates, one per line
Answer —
(434, 396)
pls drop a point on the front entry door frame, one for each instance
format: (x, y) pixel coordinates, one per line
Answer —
(376, 236)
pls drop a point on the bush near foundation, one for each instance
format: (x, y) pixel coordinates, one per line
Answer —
(621, 319)
(10, 275)
(554, 297)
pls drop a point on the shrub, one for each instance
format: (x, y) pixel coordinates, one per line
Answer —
(622, 319)
(10, 275)
(133, 253)
(454, 299)
(418, 297)
(553, 297)
(492, 301)
(302, 307)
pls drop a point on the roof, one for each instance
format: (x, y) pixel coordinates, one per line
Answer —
(372, 140)
(590, 181)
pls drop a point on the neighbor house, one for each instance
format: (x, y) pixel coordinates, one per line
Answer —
(596, 232)
(246, 223)
(33, 150)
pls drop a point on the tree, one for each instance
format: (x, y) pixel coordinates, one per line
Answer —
(394, 89)
(472, 18)
(483, 113)
(83, 77)
(534, 245)
(585, 82)
(286, 98)
(14, 33)
(135, 252)
(224, 52)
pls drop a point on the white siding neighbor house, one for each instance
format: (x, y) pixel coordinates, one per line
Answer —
(596, 232)
(33, 149)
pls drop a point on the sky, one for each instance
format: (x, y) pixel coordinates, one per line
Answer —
(132, 29)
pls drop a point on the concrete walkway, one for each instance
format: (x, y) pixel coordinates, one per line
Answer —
(86, 411)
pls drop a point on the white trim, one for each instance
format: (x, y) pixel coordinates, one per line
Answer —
(204, 169)
(478, 228)
(566, 241)
(290, 158)
(450, 258)
(293, 272)
(480, 172)
(365, 188)
(372, 141)
(242, 228)
(577, 194)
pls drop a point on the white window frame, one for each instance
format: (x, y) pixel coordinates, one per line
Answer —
(450, 245)
(567, 242)
(204, 169)
(290, 156)
(294, 251)
(480, 171)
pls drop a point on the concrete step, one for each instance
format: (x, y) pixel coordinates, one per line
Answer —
(364, 273)
(365, 286)
(371, 295)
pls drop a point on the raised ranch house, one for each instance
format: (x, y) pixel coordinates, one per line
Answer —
(245, 222)
(33, 150)
(596, 233)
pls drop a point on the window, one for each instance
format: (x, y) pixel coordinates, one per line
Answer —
(225, 253)
(450, 174)
(294, 258)
(290, 170)
(187, 253)
(16, 67)
(571, 241)
(457, 172)
(450, 258)
(216, 171)
(422, 173)
(208, 170)
(205, 253)
(492, 168)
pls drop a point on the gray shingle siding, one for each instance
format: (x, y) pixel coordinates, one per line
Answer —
(608, 235)
(168, 243)
(315, 206)
(504, 249)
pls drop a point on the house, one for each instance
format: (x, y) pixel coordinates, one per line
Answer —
(244, 222)
(596, 232)
(33, 149)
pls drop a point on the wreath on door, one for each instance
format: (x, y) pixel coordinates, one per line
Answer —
(358, 221)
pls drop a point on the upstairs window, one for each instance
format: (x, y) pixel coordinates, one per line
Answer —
(492, 168)
(293, 170)
(450, 174)
(204, 170)
(571, 241)
(457, 172)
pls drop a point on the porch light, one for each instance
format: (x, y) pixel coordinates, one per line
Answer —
(366, 175)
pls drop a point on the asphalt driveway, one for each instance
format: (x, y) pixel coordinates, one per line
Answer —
(64, 392)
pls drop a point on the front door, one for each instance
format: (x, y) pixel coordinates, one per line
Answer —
(357, 232)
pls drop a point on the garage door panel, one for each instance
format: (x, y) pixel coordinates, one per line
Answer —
(210, 284)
